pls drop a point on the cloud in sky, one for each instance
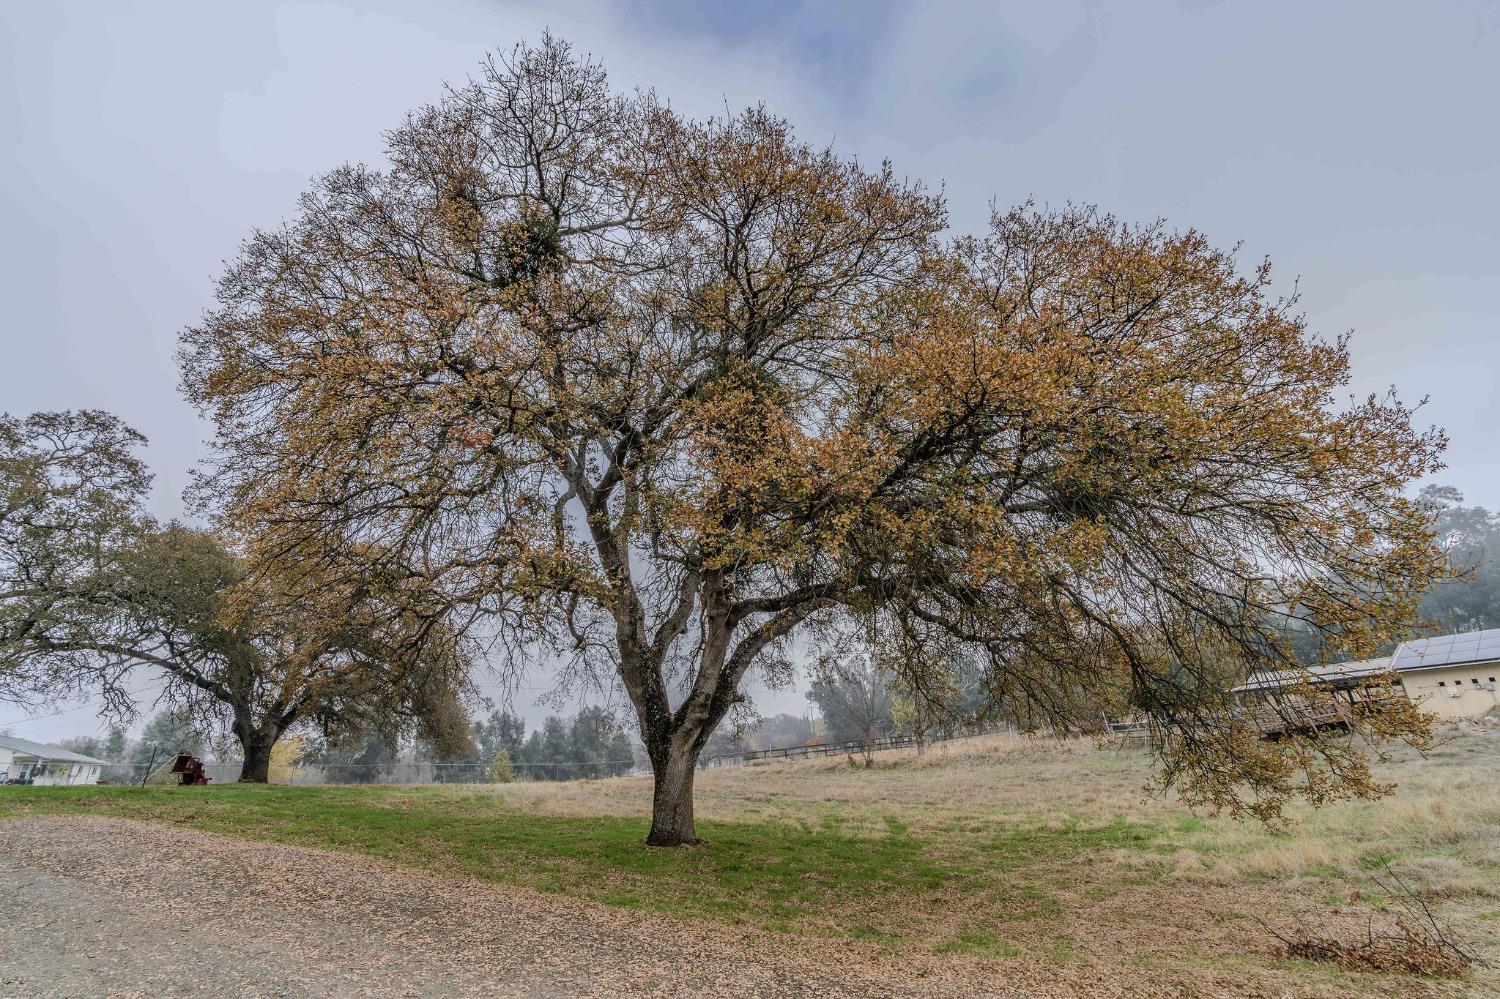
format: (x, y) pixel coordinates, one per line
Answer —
(1352, 142)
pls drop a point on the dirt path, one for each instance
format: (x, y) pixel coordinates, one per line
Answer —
(100, 907)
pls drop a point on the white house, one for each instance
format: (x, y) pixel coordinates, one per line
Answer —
(22, 760)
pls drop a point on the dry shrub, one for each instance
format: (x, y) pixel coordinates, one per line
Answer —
(1406, 949)
(1414, 944)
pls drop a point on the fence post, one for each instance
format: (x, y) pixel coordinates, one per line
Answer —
(148, 767)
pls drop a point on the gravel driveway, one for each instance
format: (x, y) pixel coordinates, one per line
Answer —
(103, 907)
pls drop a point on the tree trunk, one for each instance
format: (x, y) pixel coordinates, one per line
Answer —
(672, 800)
(257, 766)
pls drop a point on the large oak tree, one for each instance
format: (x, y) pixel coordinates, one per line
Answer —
(659, 395)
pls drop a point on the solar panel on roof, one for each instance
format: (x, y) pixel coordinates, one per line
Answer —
(1449, 650)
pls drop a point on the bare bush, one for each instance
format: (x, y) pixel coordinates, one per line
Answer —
(1415, 943)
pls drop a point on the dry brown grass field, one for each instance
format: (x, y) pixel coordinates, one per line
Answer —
(1190, 891)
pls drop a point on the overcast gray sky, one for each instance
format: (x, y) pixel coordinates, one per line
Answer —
(1355, 143)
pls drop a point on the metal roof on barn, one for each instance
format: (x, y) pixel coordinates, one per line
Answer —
(1461, 649)
(1333, 673)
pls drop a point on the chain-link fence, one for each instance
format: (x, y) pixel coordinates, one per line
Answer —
(160, 772)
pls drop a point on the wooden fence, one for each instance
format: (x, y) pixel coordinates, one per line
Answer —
(1128, 734)
(828, 749)
(1136, 733)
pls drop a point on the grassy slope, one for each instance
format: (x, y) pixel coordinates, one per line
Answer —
(988, 849)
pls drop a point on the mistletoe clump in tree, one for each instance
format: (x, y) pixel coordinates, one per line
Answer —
(660, 395)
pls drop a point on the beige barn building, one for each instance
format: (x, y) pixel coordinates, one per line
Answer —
(1450, 676)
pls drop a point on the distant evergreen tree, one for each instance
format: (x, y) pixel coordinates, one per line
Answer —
(855, 700)
(531, 756)
(556, 751)
(361, 759)
(114, 745)
(1471, 601)
(501, 770)
(588, 742)
(501, 730)
(621, 754)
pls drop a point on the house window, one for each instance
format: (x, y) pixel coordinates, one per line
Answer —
(1442, 683)
(1475, 681)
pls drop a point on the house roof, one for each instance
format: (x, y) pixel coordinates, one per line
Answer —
(43, 751)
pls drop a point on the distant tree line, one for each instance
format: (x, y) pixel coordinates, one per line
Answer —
(590, 744)
(1470, 599)
(859, 699)
(770, 732)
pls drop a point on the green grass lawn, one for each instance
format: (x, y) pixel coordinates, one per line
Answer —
(816, 878)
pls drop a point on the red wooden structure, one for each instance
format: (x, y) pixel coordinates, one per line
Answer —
(191, 769)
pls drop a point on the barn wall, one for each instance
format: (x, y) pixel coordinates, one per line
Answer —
(1454, 691)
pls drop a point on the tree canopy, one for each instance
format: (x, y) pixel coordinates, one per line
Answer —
(71, 486)
(94, 591)
(656, 394)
